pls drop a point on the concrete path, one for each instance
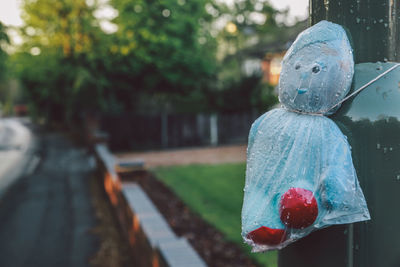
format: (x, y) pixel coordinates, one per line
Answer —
(207, 155)
(46, 216)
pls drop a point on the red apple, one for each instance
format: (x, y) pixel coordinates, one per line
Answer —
(267, 236)
(298, 208)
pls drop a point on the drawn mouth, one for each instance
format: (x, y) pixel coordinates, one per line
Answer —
(301, 91)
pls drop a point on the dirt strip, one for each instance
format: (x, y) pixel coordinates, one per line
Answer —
(206, 240)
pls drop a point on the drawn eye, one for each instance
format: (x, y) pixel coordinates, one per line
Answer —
(316, 69)
(297, 67)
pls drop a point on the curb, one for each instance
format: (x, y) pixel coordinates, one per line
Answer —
(152, 241)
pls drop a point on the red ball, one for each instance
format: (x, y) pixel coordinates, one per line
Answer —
(299, 208)
(267, 236)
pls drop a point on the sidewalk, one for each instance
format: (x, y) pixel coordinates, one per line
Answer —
(47, 215)
(209, 155)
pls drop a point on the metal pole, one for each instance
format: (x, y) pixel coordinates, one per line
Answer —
(373, 25)
(214, 129)
(371, 121)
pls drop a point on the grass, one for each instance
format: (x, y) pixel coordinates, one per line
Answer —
(216, 193)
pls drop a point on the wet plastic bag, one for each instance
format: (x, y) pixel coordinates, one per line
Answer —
(300, 175)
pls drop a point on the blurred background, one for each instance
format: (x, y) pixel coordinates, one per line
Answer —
(188, 73)
(171, 85)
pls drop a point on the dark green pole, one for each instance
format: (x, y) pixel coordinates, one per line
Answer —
(373, 25)
(371, 121)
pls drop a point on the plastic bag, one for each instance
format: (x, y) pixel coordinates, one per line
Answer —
(300, 175)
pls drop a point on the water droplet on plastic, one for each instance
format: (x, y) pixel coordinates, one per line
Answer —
(381, 20)
(285, 95)
(368, 28)
(384, 150)
(385, 25)
(378, 146)
(358, 20)
(398, 177)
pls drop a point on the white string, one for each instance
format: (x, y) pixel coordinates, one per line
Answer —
(363, 87)
(303, 112)
(350, 95)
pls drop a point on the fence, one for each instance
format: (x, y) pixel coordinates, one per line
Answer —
(141, 132)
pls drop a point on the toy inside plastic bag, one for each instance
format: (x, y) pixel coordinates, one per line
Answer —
(300, 175)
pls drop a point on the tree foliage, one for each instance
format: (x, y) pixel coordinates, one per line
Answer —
(162, 48)
(247, 22)
(59, 63)
(164, 56)
(4, 40)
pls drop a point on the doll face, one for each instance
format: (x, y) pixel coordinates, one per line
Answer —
(315, 77)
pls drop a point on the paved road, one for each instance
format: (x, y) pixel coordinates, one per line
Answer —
(46, 216)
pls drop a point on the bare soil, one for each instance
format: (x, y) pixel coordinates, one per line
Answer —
(114, 249)
(206, 240)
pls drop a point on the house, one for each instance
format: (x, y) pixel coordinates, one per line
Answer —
(270, 50)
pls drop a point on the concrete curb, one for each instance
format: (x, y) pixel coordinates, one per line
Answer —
(152, 241)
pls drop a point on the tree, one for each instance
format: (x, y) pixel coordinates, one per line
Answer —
(163, 56)
(4, 40)
(60, 63)
(163, 51)
(245, 23)
(160, 54)
(9, 93)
